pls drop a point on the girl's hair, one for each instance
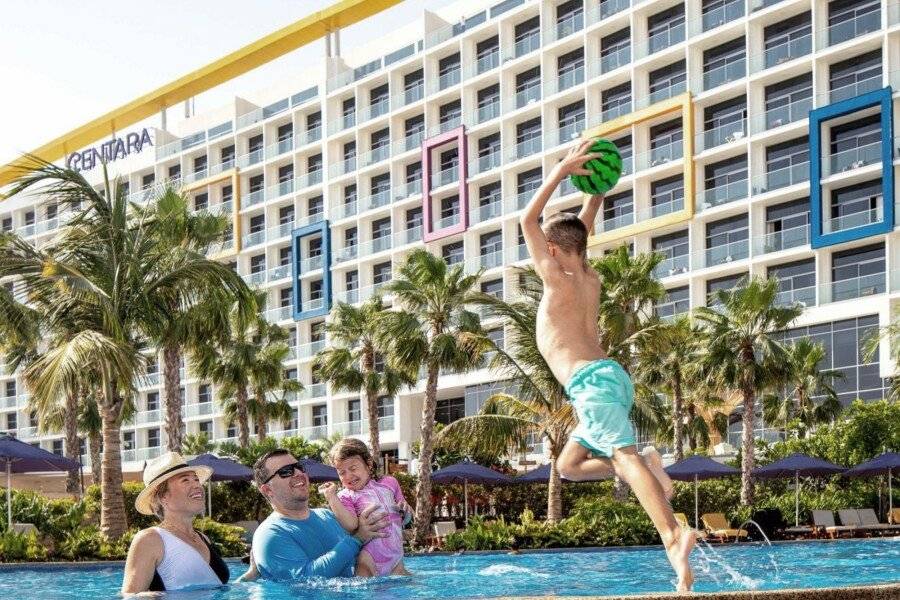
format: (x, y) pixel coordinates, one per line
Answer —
(350, 447)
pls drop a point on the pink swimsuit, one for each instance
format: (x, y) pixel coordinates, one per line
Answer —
(386, 552)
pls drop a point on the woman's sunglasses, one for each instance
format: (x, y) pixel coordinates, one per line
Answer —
(286, 471)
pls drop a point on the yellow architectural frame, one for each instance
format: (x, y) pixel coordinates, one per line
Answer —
(253, 55)
(232, 174)
(681, 103)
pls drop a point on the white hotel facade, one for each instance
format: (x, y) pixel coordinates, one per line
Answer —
(328, 174)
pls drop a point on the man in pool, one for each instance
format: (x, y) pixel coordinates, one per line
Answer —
(600, 390)
(296, 542)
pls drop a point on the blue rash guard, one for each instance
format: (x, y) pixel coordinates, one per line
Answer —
(289, 549)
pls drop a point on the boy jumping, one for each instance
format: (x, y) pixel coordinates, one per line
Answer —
(600, 390)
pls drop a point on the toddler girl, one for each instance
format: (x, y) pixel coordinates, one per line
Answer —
(355, 467)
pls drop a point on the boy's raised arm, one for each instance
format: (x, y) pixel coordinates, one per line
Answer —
(589, 211)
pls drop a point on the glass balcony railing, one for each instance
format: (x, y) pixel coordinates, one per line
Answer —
(780, 178)
(448, 221)
(485, 212)
(615, 222)
(311, 135)
(486, 162)
(854, 89)
(805, 296)
(726, 253)
(310, 349)
(726, 13)
(408, 189)
(348, 296)
(784, 52)
(316, 432)
(618, 110)
(663, 94)
(565, 134)
(520, 200)
(855, 287)
(281, 188)
(256, 277)
(413, 141)
(517, 254)
(528, 95)
(663, 207)
(853, 220)
(489, 260)
(381, 243)
(378, 199)
(487, 112)
(724, 74)
(450, 78)
(613, 60)
(565, 27)
(664, 39)
(449, 124)
(529, 43)
(310, 264)
(785, 239)
(413, 94)
(279, 272)
(412, 235)
(279, 231)
(852, 28)
(660, 155)
(279, 313)
(568, 79)
(846, 160)
(254, 238)
(722, 194)
(380, 107)
(195, 176)
(783, 115)
(487, 62)
(723, 134)
(377, 154)
(313, 304)
(526, 148)
(348, 428)
(251, 158)
(606, 9)
(280, 147)
(446, 176)
(667, 311)
(347, 209)
(674, 265)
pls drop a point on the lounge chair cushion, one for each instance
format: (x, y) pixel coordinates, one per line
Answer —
(869, 520)
(849, 516)
(717, 525)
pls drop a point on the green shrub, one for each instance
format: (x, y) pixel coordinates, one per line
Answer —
(226, 538)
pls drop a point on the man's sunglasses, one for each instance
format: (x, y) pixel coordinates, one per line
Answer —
(286, 471)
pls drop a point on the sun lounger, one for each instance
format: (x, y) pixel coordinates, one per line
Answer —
(869, 521)
(718, 527)
(800, 531)
(825, 520)
(441, 530)
(894, 516)
(682, 521)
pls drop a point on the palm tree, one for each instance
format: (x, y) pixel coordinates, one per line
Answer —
(806, 381)
(667, 364)
(183, 325)
(228, 360)
(742, 353)
(433, 329)
(106, 279)
(539, 407)
(268, 382)
(351, 363)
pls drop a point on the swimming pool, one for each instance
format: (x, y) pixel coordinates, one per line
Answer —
(571, 573)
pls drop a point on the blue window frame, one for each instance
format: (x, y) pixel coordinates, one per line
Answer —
(322, 230)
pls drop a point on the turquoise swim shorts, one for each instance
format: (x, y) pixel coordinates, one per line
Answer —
(602, 393)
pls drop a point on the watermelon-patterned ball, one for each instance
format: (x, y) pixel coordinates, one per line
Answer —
(606, 169)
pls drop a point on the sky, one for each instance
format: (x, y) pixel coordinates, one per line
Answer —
(66, 63)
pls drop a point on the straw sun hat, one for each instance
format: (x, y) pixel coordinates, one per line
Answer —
(160, 469)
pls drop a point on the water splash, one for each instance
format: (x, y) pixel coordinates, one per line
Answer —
(747, 522)
(769, 553)
(712, 562)
(504, 569)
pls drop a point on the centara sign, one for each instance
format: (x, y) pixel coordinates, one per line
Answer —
(109, 151)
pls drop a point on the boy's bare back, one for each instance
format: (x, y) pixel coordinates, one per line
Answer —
(567, 333)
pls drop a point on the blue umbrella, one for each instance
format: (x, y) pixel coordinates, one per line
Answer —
(696, 468)
(318, 472)
(224, 469)
(884, 464)
(542, 475)
(25, 458)
(464, 472)
(797, 465)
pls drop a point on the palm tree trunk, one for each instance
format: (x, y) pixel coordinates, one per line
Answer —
(172, 383)
(423, 486)
(747, 449)
(554, 493)
(692, 439)
(261, 428)
(677, 416)
(73, 448)
(368, 365)
(112, 505)
(243, 424)
(94, 449)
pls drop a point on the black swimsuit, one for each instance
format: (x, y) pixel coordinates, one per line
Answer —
(215, 563)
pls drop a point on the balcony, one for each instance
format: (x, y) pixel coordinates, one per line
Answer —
(723, 134)
(449, 124)
(528, 43)
(486, 212)
(606, 9)
(412, 94)
(253, 198)
(568, 79)
(348, 165)
(9, 402)
(348, 428)
(346, 210)
(782, 53)
(520, 200)
(413, 141)
(251, 158)
(224, 208)
(726, 253)
(450, 78)
(279, 231)
(279, 313)
(525, 148)
(316, 432)
(281, 188)
(310, 264)
(781, 178)
(195, 176)
(316, 303)
(487, 112)
(254, 238)
(617, 110)
(147, 416)
(847, 160)
(487, 62)
(854, 287)
(669, 91)
(615, 222)
(854, 89)
(724, 74)
(411, 235)
(663, 39)
(377, 154)
(310, 136)
(674, 265)
(517, 253)
(485, 163)
(674, 204)
(141, 454)
(378, 199)
(805, 296)
(348, 296)
(565, 27)
(375, 110)
(529, 95)
(316, 390)
(380, 244)
(489, 260)
(722, 194)
(565, 134)
(613, 60)
(731, 11)
(853, 220)
(448, 221)
(660, 155)
(785, 239)
(852, 28)
(279, 272)
(280, 147)
(407, 190)
(199, 410)
(446, 176)
(255, 278)
(783, 115)
(310, 349)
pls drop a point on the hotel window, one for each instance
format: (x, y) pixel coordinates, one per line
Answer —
(153, 438)
(788, 101)
(256, 183)
(726, 240)
(858, 272)
(57, 447)
(315, 290)
(718, 12)
(227, 154)
(491, 243)
(666, 140)
(665, 28)
(724, 63)
(12, 422)
(528, 131)
(527, 36)
(571, 121)
(381, 228)
(354, 411)
(29, 217)
(7, 224)
(255, 144)
(725, 122)
(285, 132)
(315, 247)
(616, 101)
(320, 415)
(848, 19)
(667, 81)
(855, 76)
(153, 401)
(449, 209)
(615, 50)
(489, 152)
(175, 172)
(493, 288)
(788, 39)
(380, 139)
(127, 440)
(489, 195)
(854, 206)
(378, 99)
(450, 115)
(618, 210)
(205, 428)
(381, 273)
(350, 237)
(226, 193)
(448, 70)
(348, 110)
(351, 280)
(286, 215)
(313, 123)
(204, 393)
(414, 172)
(676, 250)
(856, 143)
(787, 225)
(723, 283)
(413, 218)
(258, 263)
(796, 282)
(284, 300)
(349, 153)
(201, 201)
(529, 181)
(285, 173)
(450, 410)
(725, 181)
(257, 223)
(666, 195)
(317, 331)
(147, 180)
(315, 206)
(452, 253)
(787, 163)
(487, 54)
(10, 388)
(414, 126)
(314, 163)
(413, 83)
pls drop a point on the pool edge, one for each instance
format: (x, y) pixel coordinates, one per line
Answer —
(889, 591)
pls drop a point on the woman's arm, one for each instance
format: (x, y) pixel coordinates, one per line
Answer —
(144, 556)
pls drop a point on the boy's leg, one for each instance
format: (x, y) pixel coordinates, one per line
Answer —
(365, 565)
(630, 466)
(577, 463)
(655, 464)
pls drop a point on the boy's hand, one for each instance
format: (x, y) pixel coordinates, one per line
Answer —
(573, 163)
(328, 489)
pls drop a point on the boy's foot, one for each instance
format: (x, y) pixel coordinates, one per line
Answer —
(654, 463)
(679, 552)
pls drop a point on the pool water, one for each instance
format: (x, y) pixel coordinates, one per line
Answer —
(572, 573)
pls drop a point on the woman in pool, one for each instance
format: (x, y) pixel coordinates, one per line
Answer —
(174, 555)
(356, 469)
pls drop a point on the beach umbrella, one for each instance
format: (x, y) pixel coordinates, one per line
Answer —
(794, 466)
(224, 469)
(465, 472)
(542, 475)
(319, 472)
(884, 464)
(19, 457)
(699, 468)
